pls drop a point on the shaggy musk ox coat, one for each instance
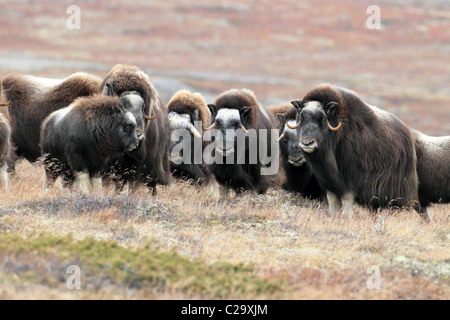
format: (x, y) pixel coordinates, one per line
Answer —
(357, 152)
(299, 176)
(32, 99)
(149, 163)
(185, 109)
(433, 169)
(78, 141)
(237, 110)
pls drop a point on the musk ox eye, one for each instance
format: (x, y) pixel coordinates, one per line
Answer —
(128, 127)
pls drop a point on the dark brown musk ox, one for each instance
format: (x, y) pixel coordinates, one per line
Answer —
(32, 99)
(78, 141)
(299, 176)
(357, 152)
(149, 163)
(186, 156)
(433, 169)
(246, 156)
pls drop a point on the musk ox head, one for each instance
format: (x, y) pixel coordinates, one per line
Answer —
(185, 110)
(233, 112)
(123, 78)
(124, 130)
(108, 119)
(289, 143)
(133, 102)
(315, 124)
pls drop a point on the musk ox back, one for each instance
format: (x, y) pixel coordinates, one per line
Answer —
(433, 169)
(299, 176)
(32, 99)
(241, 124)
(149, 163)
(357, 152)
(78, 141)
(185, 111)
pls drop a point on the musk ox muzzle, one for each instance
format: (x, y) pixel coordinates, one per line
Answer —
(308, 145)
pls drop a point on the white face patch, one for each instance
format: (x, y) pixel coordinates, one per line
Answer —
(130, 118)
(313, 106)
(179, 120)
(135, 99)
(61, 114)
(226, 115)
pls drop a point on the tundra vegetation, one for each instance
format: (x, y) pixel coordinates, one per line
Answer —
(273, 246)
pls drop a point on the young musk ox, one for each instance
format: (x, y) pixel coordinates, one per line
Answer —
(299, 176)
(357, 152)
(185, 109)
(241, 162)
(32, 99)
(433, 169)
(149, 163)
(78, 141)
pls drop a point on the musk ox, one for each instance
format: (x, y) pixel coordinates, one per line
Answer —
(244, 138)
(79, 140)
(32, 99)
(149, 162)
(433, 169)
(185, 110)
(358, 153)
(299, 176)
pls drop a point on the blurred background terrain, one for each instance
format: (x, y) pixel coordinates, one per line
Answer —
(279, 49)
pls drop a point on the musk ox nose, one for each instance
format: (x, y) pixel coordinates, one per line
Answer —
(140, 135)
(133, 146)
(308, 145)
(296, 160)
(225, 149)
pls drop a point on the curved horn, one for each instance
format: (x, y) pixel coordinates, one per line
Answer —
(290, 127)
(194, 131)
(334, 128)
(209, 128)
(281, 137)
(244, 129)
(151, 118)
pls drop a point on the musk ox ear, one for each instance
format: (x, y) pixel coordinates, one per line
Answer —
(282, 120)
(298, 104)
(110, 90)
(245, 114)
(331, 109)
(213, 109)
(117, 109)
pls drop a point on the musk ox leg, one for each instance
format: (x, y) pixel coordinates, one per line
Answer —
(348, 204)
(96, 184)
(425, 212)
(82, 182)
(333, 202)
(4, 177)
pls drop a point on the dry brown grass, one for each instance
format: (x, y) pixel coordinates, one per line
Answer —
(284, 237)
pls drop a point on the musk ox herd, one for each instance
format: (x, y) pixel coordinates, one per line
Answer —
(330, 145)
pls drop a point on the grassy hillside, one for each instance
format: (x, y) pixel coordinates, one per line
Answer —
(275, 246)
